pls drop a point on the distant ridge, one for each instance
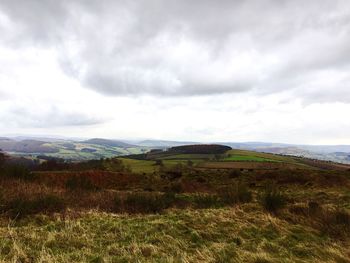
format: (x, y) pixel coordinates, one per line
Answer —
(110, 143)
(5, 139)
(164, 143)
(26, 146)
(74, 149)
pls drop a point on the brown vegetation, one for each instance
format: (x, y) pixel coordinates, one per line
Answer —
(92, 185)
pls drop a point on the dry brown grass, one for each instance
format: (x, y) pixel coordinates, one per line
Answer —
(332, 221)
(197, 225)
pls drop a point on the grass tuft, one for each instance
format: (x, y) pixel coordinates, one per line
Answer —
(144, 202)
(236, 193)
(203, 201)
(272, 199)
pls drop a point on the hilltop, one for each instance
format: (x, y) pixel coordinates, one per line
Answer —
(224, 157)
(207, 203)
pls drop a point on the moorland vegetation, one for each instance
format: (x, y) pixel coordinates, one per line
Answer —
(174, 206)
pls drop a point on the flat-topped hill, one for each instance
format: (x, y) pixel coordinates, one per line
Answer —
(216, 156)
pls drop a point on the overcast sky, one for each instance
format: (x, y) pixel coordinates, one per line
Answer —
(199, 70)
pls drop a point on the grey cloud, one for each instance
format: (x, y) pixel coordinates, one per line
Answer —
(53, 117)
(185, 48)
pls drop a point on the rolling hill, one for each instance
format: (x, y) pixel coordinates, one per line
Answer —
(26, 146)
(108, 143)
(163, 144)
(95, 148)
(68, 149)
(224, 157)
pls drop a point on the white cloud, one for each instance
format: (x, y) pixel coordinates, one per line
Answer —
(186, 70)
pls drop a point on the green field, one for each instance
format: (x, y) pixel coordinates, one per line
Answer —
(269, 156)
(140, 166)
(232, 155)
(232, 159)
(188, 157)
(149, 166)
(248, 158)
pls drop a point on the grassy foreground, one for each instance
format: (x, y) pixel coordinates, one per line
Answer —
(243, 233)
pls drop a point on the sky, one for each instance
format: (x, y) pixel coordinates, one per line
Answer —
(199, 70)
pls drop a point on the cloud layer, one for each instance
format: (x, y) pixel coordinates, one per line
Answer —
(186, 48)
(229, 70)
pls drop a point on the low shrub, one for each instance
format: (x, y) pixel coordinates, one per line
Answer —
(174, 172)
(236, 193)
(21, 206)
(312, 209)
(206, 201)
(80, 182)
(336, 222)
(234, 173)
(287, 177)
(176, 187)
(2, 201)
(17, 171)
(201, 179)
(144, 202)
(342, 217)
(272, 199)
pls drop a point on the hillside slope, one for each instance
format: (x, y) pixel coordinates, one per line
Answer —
(206, 156)
(69, 150)
(110, 143)
(26, 146)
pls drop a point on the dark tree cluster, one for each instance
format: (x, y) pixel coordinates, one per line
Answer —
(201, 149)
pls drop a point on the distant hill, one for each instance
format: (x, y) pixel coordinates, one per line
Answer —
(4, 139)
(320, 152)
(163, 144)
(110, 143)
(69, 149)
(26, 146)
(96, 148)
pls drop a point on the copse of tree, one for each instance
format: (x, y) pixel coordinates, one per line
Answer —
(2, 158)
(201, 149)
(142, 156)
(53, 165)
(17, 171)
(50, 158)
(19, 168)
